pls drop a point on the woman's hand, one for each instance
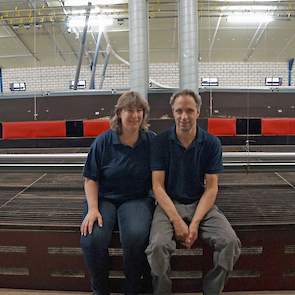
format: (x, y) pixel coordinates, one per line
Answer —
(89, 220)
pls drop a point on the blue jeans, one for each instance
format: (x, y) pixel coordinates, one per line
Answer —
(134, 219)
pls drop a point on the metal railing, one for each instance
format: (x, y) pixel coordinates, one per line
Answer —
(74, 162)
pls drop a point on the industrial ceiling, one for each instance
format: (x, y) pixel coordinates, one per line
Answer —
(36, 32)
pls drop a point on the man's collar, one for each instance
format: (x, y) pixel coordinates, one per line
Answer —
(199, 136)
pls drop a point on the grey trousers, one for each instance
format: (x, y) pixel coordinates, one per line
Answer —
(214, 230)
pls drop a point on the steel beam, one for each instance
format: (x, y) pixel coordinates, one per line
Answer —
(254, 41)
(214, 35)
(94, 62)
(83, 42)
(105, 64)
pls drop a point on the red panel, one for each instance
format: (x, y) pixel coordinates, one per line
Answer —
(278, 126)
(34, 129)
(292, 126)
(222, 126)
(95, 127)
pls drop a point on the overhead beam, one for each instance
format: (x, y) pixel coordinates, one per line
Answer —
(214, 34)
(255, 40)
(69, 44)
(51, 36)
(15, 55)
(14, 34)
(95, 40)
(94, 62)
(286, 45)
(105, 64)
(252, 41)
(83, 42)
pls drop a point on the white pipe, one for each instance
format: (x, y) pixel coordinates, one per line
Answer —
(138, 46)
(124, 61)
(188, 44)
(116, 55)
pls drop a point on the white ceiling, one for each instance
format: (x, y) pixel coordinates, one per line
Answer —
(23, 44)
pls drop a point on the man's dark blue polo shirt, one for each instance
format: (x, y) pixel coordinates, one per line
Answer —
(122, 172)
(185, 169)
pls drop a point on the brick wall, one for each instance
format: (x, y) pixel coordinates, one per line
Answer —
(245, 74)
(117, 75)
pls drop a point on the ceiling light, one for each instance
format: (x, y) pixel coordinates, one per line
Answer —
(249, 8)
(77, 12)
(15, 26)
(249, 18)
(95, 23)
(254, 2)
(27, 26)
(93, 2)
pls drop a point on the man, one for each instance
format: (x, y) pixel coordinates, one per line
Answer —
(185, 163)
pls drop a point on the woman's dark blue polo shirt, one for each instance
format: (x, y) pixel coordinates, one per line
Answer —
(185, 169)
(122, 172)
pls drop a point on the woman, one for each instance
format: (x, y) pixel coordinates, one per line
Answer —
(117, 186)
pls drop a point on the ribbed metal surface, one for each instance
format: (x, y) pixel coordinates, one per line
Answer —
(56, 200)
(258, 206)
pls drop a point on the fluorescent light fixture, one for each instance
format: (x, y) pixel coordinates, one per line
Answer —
(80, 85)
(273, 81)
(249, 8)
(95, 23)
(249, 18)
(254, 2)
(209, 82)
(93, 2)
(77, 12)
(15, 86)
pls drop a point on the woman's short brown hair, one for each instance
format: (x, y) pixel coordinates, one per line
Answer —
(126, 100)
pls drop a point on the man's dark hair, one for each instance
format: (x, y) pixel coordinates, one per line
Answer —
(187, 92)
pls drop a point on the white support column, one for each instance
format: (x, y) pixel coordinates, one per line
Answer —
(138, 46)
(188, 44)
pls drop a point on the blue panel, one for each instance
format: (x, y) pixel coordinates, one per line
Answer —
(1, 82)
(290, 65)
